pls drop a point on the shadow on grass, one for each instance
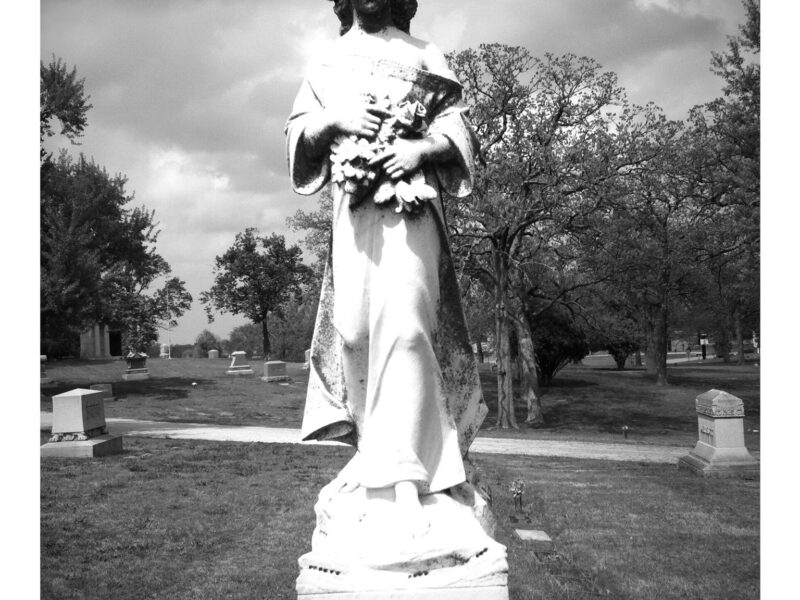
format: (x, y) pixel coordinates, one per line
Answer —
(161, 388)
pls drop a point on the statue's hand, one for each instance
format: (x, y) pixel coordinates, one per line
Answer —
(402, 158)
(359, 119)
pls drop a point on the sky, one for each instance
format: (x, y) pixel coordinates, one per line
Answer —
(190, 97)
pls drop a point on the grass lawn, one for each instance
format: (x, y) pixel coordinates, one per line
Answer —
(185, 520)
(589, 403)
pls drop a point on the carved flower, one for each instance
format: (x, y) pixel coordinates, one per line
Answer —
(350, 157)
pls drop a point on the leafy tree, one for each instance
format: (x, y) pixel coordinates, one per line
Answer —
(558, 340)
(256, 277)
(291, 332)
(611, 327)
(317, 225)
(62, 97)
(98, 259)
(729, 127)
(545, 126)
(247, 338)
(206, 341)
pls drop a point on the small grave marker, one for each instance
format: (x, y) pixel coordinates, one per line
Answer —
(43, 378)
(239, 364)
(539, 540)
(213, 354)
(275, 370)
(104, 388)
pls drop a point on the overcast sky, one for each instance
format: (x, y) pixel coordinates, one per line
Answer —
(190, 96)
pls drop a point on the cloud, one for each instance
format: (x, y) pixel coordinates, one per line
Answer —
(191, 96)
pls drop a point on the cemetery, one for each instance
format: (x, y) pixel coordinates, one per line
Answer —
(494, 310)
(577, 528)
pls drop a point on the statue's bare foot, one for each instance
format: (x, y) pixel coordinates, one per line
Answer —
(406, 498)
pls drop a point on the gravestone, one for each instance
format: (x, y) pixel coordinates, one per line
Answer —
(213, 354)
(239, 364)
(720, 449)
(307, 363)
(136, 367)
(79, 427)
(537, 540)
(43, 378)
(103, 388)
(275, 370)
(164, 352)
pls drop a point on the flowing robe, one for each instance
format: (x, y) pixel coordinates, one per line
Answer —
(391, 368)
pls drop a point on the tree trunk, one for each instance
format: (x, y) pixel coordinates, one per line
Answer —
(737, 324)
(479, 351)
(505, 387)
(265, 336)
(637, 361)
(660, 344)
(650, 342)
(528, 370)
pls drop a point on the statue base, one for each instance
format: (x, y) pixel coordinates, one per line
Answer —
(455, 593)
(365, 547)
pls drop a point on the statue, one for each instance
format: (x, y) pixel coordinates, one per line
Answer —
(380, 119)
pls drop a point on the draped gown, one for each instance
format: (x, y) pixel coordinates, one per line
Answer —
(391, 369)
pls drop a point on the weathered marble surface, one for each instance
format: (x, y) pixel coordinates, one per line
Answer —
(362, 542)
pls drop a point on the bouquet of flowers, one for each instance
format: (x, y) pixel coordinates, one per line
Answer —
(351, 155)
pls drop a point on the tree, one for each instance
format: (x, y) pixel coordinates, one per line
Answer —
(98, 259)
(730, 128)
(544, 127)
(558, 341)
(61, 97)
(317, 225)
(247, 338)
(206, 341)
(255, 277)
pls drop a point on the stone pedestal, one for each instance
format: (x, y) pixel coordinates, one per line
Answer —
(720, 449)
(494, 592)
(79, 426)
(365, 547)
(137, 368)
(239, 364)
(101, 445)
(43, 378)
(275, 370)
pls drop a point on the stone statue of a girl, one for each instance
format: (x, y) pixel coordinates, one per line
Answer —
(380, 119)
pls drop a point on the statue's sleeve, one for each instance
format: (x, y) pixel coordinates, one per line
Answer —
(308, 174)
(457, 174)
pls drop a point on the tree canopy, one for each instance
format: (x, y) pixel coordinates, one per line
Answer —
(256, 277)
(98, 260)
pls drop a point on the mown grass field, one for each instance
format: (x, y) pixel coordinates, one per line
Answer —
(590, 403)
(186, 520)
(179, 520)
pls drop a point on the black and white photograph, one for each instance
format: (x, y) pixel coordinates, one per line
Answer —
(402, 299)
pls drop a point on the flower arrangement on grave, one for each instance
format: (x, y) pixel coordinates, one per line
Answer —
(351, 156)
(517, 490)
